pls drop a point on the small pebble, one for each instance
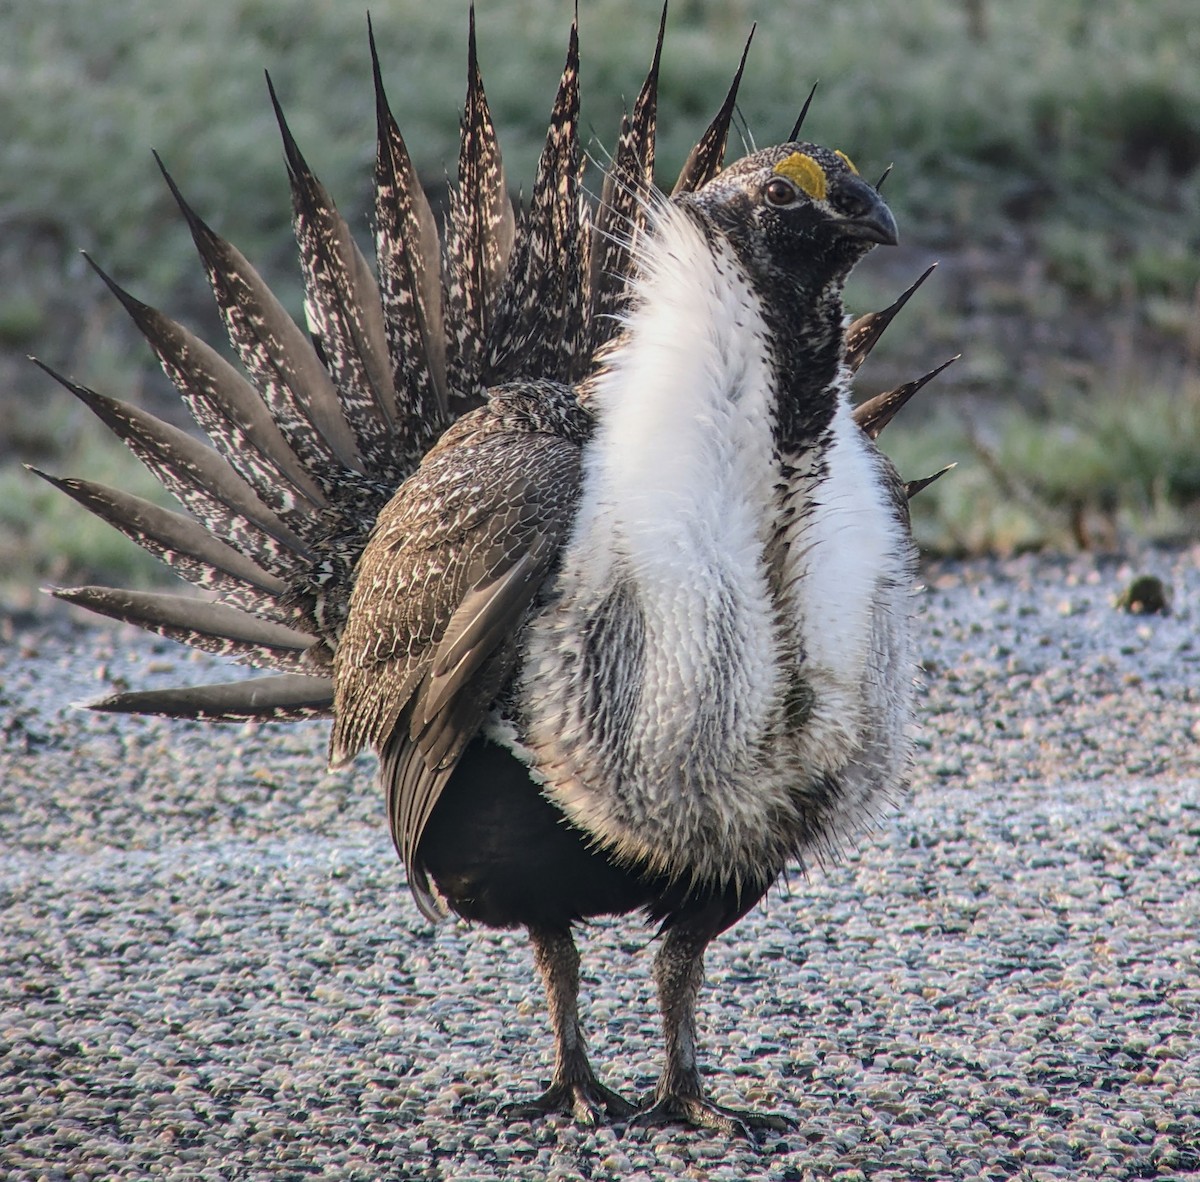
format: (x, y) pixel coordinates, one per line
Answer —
(211, 967)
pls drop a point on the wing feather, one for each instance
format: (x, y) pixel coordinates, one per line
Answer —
(456, 561)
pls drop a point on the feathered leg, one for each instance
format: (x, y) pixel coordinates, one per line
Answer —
(679, 1096)
(574, 1087)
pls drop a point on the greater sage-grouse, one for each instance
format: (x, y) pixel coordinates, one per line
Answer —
(567, 514)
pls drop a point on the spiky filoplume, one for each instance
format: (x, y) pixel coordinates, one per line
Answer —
(566, 513)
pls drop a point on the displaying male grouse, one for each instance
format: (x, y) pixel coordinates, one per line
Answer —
(567, 514)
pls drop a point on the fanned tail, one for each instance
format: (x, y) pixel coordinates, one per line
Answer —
(301, 458)
(313, 435)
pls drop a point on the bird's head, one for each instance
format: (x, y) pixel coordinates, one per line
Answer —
(798, 215)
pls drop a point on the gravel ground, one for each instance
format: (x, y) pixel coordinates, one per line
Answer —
(211, 968)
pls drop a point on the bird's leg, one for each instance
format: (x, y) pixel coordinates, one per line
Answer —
(679, 1095)
(574, 1087)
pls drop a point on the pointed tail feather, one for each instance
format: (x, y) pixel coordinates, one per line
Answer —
(181, 542)
(705, 159)
(875, 414)
(623, 205)
(864, 333)
(540, 327)
(345, 313)
(231, 412)
(409, 260)
(798, 126)
(279, 357)
(211, 627)
(201, 480)
(912, 487)
(479, 240)
(285, 697)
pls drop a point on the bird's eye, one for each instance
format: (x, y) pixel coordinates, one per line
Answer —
(780, 192)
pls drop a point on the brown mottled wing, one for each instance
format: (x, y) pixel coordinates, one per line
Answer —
(444, 585)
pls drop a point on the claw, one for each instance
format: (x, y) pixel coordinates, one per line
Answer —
(702, 1113)
(584, 1100)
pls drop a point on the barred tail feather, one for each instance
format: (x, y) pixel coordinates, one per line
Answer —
(705, 159)
(211, 627)
(180, 541)
(279, 357)
(345, 313)
(231, 412)
(875, 414)
(409, 261)
(863, 335)
(624, 199)
(539, 325)
(479, 239)
(201, 480)
(285, 697)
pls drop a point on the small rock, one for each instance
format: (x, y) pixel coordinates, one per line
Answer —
(1146, 595)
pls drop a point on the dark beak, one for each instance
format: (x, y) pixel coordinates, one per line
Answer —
(864, 213)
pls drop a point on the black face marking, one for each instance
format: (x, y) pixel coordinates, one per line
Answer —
(797, 250)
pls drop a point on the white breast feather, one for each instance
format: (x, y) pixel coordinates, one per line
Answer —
(849, 557)
(676, 482)
(678, 505)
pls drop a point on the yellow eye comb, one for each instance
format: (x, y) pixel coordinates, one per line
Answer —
(802, 170)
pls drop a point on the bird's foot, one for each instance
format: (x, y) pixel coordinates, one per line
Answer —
(582, 1099)
(696, 1110)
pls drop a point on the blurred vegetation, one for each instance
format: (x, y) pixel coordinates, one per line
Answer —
(1048, 149)
(1095, 474)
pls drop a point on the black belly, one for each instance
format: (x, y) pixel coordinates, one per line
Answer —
(503, 855)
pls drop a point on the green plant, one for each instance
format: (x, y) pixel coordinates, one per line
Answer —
(1064, 136)
(1126, 456)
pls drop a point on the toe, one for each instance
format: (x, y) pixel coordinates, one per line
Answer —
(584, 1100)
(701, 1112)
